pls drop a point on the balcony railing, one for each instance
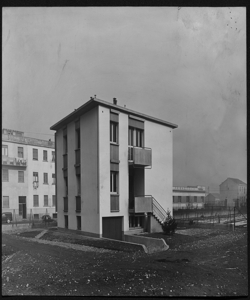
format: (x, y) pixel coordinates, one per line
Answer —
(114, 153)
(14, 161)
(140, 156)
(143, 204)
(114, 203)
(78, 203)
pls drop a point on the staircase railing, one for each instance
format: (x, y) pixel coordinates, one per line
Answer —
(158, 211)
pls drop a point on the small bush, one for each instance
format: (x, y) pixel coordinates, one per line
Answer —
(169, 225)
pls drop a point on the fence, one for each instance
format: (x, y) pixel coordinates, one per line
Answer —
(210, 216)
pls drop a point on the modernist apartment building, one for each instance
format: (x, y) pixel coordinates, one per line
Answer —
(114, 170)
(234, 192)
(188, 197)
(28, 175)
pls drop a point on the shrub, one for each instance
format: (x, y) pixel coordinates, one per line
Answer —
(169, 225)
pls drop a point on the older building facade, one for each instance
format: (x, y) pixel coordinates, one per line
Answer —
(234, 192)
(114, 169)
(28, 175)
(188, 197)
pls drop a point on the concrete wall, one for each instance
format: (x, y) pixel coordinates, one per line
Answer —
(89, 172)
(59, 178)
(104, 166)
(159, 179)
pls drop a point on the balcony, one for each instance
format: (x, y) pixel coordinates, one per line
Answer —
(140, 156)
(142, 204)
(14, 162)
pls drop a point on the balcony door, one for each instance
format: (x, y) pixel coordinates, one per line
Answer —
(22, 207)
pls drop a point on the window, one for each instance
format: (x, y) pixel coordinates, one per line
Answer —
(35, 176)
(195, 198)
(5, 175)
(53, 200)
(45, 178)
(66, 221)
(202, 199)
(78, 185)
(45, 155)
(20, 152)
(5, 203)
(179, 199)
(65, 144)
(46, 200)
(135, 137)
(78, 139)
(113, 182)
(53, 178)
(36, 216)
(20, 176)
(66, 186)
(188, 199)
(79, 223)
(35, 200)
(35, 154)
(114, 132)
(53, 156)
(4, 150)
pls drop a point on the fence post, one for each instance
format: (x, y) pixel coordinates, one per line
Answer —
(234, 217)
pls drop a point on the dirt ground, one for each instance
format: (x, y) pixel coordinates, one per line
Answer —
(199, 262)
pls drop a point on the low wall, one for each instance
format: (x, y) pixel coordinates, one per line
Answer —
(9, 227)
(152, 245)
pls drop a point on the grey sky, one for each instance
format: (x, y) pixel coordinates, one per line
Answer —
(186, 66)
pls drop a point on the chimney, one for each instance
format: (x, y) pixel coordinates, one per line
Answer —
(114, 101)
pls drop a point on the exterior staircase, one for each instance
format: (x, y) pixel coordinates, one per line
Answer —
(158, 211)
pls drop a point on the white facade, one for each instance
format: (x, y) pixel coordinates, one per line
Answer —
(115, 189)
(18, 167)
(188, 197)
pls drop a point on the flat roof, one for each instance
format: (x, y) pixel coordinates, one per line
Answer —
(95, 102)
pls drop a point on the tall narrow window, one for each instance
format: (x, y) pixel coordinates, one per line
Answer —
(195, 198)
(35, 154)
(53, 178)
(53, 156)
(20, 152)
(78, 139)
(202, 199)
(179, 199)
(35, 200)
(65, 144)
(35, 176)
(114, 132)
(20, 176)
(188, 199)
(5, 203)
(45, 155)
(5, 175)
(78, 184)
(53, 200)
(4, 150)
(114, 182)
(45, 178)
(135, 137)
(46, 200)
(66, 186)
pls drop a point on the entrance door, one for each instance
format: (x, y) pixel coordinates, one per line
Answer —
(112, 228)
(22, 207)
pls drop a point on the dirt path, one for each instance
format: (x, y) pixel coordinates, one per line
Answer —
(187, 269)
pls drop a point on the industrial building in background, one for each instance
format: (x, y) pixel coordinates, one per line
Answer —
(28, 175)
(114, 170)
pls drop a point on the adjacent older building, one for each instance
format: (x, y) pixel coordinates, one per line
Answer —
(28, 175)
(214, 200)
(114, 170)
(234, 192)
(188, 197)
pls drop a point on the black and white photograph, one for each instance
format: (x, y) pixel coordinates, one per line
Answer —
(124, 151)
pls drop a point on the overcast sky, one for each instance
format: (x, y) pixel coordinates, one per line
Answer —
(183, 65)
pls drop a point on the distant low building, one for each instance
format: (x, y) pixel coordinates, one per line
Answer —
(188, 197)
(234, 192)
(214, 199)
(28, 175)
